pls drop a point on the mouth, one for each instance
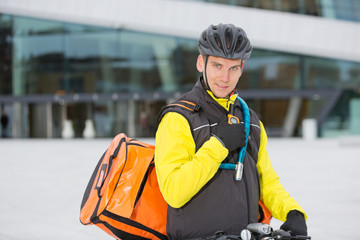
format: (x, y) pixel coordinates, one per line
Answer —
(221, 86)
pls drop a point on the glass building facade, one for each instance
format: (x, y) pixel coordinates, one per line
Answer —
(54, 71)
(348, 10)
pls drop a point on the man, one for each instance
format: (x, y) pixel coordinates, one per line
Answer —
(196, 135)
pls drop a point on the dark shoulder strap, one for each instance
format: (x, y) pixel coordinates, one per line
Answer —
(181, 104)
(191, 106)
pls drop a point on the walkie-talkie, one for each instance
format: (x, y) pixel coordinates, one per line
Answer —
(231, 118)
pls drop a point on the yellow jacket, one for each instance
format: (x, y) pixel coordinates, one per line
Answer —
(182, 172)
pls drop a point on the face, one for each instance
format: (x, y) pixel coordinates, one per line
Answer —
(222, 74)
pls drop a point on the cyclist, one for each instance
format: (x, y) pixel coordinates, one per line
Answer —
(191, 144)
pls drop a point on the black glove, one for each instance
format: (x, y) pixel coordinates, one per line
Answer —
(231, 135)
(295, 223)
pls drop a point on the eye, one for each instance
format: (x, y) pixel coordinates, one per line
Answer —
(235, 68)
(217, 65)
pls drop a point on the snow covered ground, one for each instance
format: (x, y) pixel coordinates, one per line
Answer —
(42, 183)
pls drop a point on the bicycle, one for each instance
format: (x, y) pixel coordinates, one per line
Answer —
(257, 231)
(262, 231)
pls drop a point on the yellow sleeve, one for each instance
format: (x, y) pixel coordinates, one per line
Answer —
(181, 171)
(272, 192)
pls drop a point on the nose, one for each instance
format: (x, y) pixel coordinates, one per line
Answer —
(225, 75)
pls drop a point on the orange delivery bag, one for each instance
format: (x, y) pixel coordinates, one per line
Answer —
(123, 196)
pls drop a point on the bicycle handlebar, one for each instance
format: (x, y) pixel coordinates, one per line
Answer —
(262, 231)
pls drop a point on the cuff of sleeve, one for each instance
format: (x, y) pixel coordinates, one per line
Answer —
(218, 139)
(303, 213)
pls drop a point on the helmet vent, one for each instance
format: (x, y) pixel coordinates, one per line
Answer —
(238, 44)
(205, 38)
(218, 40)
(228, 38)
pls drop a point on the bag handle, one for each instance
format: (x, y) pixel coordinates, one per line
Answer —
(100, 180)
(105, 167)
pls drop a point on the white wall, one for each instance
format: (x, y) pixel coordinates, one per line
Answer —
(287, 32)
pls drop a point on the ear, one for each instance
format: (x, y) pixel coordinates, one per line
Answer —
(200, 63)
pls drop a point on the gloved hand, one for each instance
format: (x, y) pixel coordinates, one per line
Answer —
(231, 135)
(295, 223)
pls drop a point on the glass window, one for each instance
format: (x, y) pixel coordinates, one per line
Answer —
(329, 73)
(345, 10)
(91, 60)
(344, 119)
(267, 69)
(5, 54)
(138, 69)
(184, 58)
(38, 54)
(149, 62)
(30, 26)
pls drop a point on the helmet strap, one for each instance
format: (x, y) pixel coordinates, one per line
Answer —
(207, 87)
(242, 67)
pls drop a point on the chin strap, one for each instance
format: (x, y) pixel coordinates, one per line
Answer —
(206, 80)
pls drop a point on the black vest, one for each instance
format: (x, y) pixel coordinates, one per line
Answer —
(223, 204)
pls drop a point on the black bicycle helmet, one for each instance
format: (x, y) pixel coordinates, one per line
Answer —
(226, 41)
